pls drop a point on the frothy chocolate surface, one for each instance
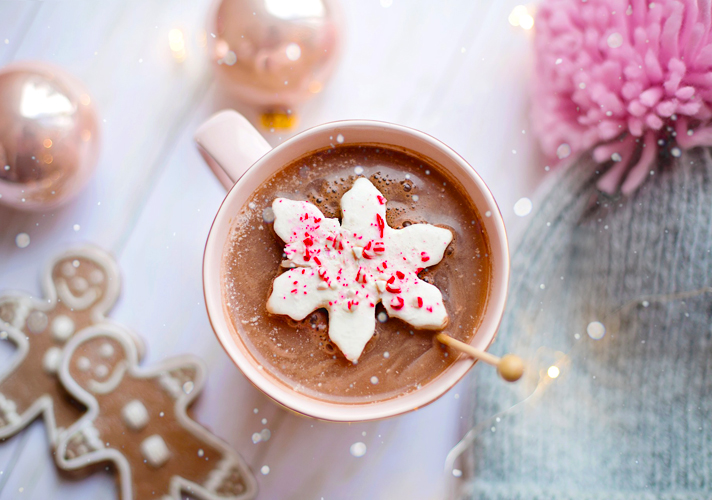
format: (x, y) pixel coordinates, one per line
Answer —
(399, 358)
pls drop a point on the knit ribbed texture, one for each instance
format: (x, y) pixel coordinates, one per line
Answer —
(630, 415)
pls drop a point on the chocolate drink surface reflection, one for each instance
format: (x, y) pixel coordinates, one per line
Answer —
(399, 358)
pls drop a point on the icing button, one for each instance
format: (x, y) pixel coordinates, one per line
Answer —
(155, 451)
(62, 328)
(135, 415)
(51, 360)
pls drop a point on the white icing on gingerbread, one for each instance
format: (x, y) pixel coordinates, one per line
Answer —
(8, 411)
(106, 350)
(155, 451)
(62, 328)
(135, 415)
(112, 382)
(158, 450)
(83, 364)
(51, 359)
(81, 302)
(350, 267)
(27, 328)
(171, 384)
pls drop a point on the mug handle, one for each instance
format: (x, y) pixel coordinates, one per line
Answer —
(230, 145)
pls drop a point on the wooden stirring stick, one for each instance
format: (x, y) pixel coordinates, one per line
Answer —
(510, 367)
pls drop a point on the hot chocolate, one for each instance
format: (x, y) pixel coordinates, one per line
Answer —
(399, 358)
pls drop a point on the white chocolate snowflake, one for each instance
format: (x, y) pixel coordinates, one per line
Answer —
(350, 267)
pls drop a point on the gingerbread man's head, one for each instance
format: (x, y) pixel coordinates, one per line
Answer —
(84, 279)
(99, 363)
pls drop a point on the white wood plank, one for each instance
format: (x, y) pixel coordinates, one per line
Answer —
(15, 20)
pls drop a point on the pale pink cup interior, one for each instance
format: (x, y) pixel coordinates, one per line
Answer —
(213, 135)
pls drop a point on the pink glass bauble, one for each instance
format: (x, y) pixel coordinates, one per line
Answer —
(48, 136)
(276, 53)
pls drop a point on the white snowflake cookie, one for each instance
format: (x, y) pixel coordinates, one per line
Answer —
(351, 266)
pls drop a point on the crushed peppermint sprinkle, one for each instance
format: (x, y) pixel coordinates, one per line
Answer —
(350, 267)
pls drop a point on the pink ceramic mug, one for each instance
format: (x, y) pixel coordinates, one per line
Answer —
(243, 160)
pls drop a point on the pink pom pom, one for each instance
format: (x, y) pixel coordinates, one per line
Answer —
(632, 75)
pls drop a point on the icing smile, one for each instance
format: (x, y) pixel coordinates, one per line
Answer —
(351, 266)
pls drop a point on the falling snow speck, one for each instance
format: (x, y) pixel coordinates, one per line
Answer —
(386, 354)
(268, 216)
(615, 40)
(374, 380)
(264, 421)
(386, 3)
(252, 205)
(358, 170)
(616, 157)
(358, 449)
(230, 58)
(340, 138)
(76, 227)
(415, 197)
(596, 330)
(676, 152)
(488, 214)
(523, 207)
(22, 240)
(293, 51)
(456, 472)
(201, 452)
(264, 470)
(256, 437)
(563, 151)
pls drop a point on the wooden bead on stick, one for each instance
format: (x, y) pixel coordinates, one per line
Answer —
(510, 367)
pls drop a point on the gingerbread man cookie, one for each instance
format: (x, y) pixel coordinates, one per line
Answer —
(137, 420)
(80, 286)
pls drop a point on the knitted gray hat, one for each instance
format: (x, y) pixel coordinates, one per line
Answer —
(629, 415)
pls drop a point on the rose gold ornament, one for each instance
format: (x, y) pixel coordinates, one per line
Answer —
(276, 53)
(48, 136)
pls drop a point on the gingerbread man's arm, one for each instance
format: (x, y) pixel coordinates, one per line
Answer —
(182, 377)
(10, 413)
(14, 309)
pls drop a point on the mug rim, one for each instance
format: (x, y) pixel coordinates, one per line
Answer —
(311, 406)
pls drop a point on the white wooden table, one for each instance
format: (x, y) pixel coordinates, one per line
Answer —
(454, 69)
